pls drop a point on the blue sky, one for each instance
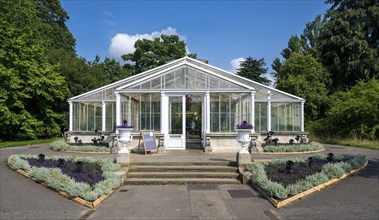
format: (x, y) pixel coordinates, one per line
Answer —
(218, 31)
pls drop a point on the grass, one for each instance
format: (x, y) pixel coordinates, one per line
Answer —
(6, 144)
(369, 144)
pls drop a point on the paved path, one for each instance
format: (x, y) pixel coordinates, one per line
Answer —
(354, 198)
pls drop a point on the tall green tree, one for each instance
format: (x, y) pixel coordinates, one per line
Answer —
(43, 20)
(31, 89)
(253, 69)
(349, 42)
(153, 53)
(304, 76)
(307, 42)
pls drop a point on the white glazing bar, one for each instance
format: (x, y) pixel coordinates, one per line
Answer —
(103, 115)
(269, 115)
(164, 113)
(208, 112)
(71, 110)
(118, 109)
(302, 116)
(252, 110)
(129, 117)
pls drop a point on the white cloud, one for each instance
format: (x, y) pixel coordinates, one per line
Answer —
(236, 64)
(123, 43)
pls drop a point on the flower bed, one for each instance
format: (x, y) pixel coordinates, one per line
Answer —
(82, 177)
(280, 180)
(61, 145)
(312, 146)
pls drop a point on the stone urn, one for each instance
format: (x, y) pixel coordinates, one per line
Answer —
(124, 137)
(243, 137)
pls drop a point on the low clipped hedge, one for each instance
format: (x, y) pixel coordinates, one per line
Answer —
(61, 145)
(312, 146)
(57, 180)
(329, 171)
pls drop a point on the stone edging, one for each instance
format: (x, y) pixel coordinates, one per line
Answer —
(280, 204)
(301, 152)
(79, 200)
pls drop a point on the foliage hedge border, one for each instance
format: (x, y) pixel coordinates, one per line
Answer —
(101, 191)
(272, 190)
(61, 145)
(312, 147)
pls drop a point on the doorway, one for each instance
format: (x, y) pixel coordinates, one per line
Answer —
(194, 121)
(177, 128)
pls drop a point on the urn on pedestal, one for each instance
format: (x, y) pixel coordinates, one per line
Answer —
(124, 136)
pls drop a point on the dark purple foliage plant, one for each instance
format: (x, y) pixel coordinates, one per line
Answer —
(89, 173)
(244, 125)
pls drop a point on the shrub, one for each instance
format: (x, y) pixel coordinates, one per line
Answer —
(61, 145)
(333, 170)
(262, 178)
(312, 146)
(55, 178)
(317, 178)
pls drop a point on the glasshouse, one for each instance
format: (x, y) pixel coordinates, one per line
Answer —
(186, 100)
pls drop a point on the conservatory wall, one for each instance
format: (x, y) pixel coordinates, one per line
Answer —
(224, 100)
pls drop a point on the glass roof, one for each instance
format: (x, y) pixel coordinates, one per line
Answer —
(185, 74)
(186, 78)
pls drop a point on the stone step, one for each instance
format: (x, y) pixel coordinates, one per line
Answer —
(165, 168)
(179, 181)
(182, 175)
(173, 163)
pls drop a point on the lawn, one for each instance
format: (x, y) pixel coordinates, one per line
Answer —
(353, 142)
(5, 144)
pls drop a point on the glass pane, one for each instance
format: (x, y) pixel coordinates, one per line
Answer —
(98, 116)
(110, 117)
(176, 111)
(75, 120)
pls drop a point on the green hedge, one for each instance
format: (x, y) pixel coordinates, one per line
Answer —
(61, 145)
(312, 146)
(55, 179)
(329, 171)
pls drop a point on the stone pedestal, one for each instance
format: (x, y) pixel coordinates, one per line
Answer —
(256, 146)
(123, 156)
(243, 159)
(162, 150)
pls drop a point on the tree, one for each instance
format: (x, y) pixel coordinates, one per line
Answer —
(153, 53)
(307, 42)
(43, 20)
(353, 113)
(31, 89)
(303, 76)
(349, 42)
(253, 69)
(114, 71)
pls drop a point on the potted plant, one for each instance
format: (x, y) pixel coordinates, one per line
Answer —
(243, 135)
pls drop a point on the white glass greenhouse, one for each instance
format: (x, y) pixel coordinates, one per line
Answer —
(186, 100)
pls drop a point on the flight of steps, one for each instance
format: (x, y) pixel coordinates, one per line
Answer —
(165, 173)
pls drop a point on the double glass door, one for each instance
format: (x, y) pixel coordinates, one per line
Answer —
(177, 122)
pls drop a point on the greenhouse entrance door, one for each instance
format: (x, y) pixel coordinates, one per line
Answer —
(177, 123)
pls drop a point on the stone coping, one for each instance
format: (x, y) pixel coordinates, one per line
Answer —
(280, 204)
(79, 200)
(283, 153)
(228, 134)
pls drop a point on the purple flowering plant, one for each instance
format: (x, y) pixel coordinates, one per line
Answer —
(80, 171)
(244, 125)
(124, 126)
